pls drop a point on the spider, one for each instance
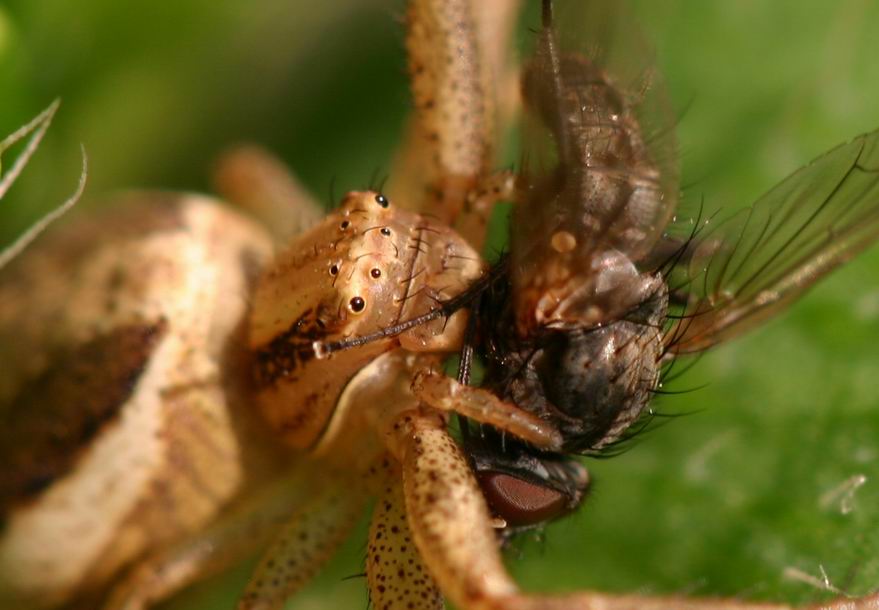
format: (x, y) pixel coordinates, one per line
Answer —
(342, 269)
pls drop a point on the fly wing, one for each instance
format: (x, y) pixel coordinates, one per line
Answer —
(747, 268)
(599, 172)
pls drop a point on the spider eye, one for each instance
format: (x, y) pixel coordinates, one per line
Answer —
(344, 224)
(385, 231)
(382, 200)
(357, 304)
(375, 272)
(334, 270)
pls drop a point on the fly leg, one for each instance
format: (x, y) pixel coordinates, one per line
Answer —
(252, 178)
(445, 394)
(398, 579)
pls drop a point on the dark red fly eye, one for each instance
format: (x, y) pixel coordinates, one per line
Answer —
(334, 270)
(357, 304)
(375, 272)
(520, 502)
(382, 200)
(385, 231)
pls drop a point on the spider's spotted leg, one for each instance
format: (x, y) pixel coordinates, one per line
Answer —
(312, 534)
(452, 528)
(242, 532)
(459, 71)
(398, 579)
(449, 95)
(446, 394)
(447, 514)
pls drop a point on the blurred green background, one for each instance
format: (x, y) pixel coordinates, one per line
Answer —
(724, 501)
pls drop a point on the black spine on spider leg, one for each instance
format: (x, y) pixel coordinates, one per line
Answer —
(465, 364)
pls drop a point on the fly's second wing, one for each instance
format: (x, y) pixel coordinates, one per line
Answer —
(747, 268)
(598, 184)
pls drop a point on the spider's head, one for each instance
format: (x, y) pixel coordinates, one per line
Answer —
(365, 268)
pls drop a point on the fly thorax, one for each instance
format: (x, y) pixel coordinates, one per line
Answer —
(609, 289)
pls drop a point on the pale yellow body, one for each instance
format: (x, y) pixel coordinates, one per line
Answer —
(181, 446)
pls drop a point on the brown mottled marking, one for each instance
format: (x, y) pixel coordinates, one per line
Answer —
(289, 350)
(82, 390)
(398, 578)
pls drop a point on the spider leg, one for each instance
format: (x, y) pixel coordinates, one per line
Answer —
(452, 530)
(473, 221)
(449, 138)
(457, 55)
(446, 394)
(398, 579)
(243, 531)
(495, 24)
(312, 534)
(448, 517)
(257, 181)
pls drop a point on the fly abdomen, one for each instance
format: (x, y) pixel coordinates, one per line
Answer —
(592, 191)
(605, 185)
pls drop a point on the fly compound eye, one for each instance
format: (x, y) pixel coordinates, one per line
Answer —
(520, 502)
(357, 304)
